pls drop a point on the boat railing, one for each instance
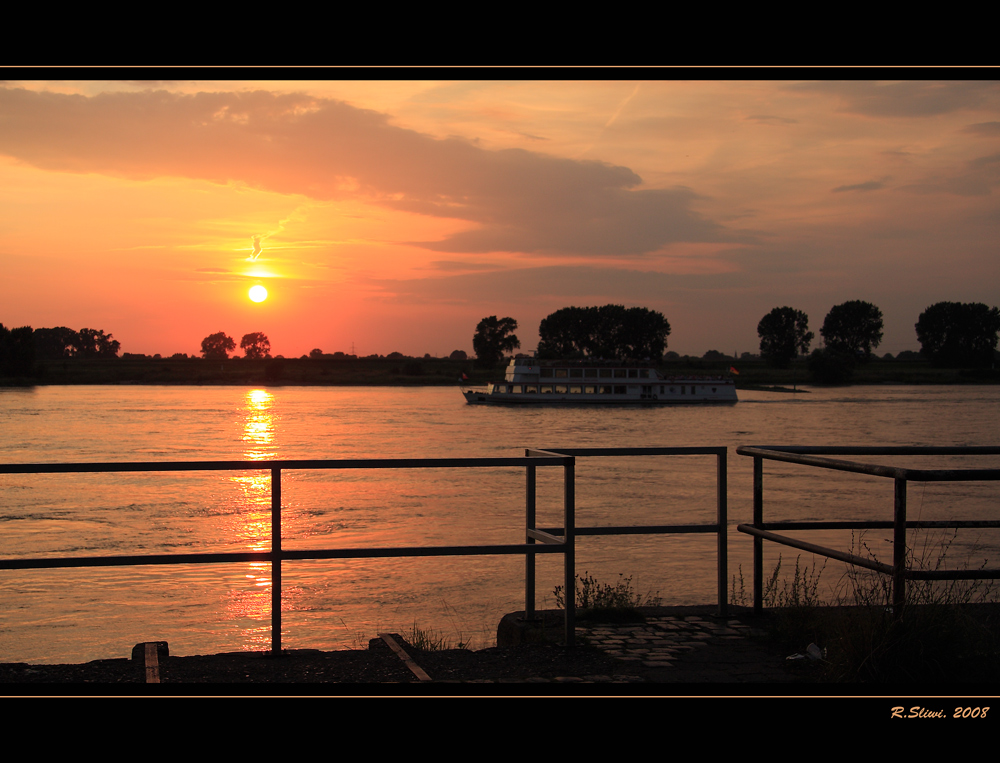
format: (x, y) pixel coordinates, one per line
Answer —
(899, 571)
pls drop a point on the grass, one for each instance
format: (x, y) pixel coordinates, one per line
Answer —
(946, 631)
(431, 641)
(607, 602)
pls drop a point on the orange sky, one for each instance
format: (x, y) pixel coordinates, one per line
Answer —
(394, 215)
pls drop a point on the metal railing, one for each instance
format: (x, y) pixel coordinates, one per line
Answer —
(814, 456)
(278, 555)
(560, 540)
(569, 532)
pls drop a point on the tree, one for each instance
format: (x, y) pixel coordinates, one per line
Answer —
(493, 339)
(853, 328)
(784, 333)
(956, 334)
(60, 342)
(217, 346)
(255, 346)
(94, 343)
(611, 331)
(316, 354)
(17, 351)
(458, 355)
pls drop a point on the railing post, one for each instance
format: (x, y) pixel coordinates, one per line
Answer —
(899, 548)
(275, 562)
(569, 538)
(723, 539)
(529, 558)
(758, 543)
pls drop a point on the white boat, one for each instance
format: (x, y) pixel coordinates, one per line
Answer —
(529, 381)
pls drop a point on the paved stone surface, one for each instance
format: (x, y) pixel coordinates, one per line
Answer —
(691, 649)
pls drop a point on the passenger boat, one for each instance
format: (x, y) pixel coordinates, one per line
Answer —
(529, 381)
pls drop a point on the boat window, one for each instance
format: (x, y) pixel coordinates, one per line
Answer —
(546, 388)
(561, 389)
(590, 389)
(643, 373)
(620, 389)
(576, 373)
(560, 373)
(605, 373)
(547, 373)
(633, 373)
(713, 389)
(606, 389)
(530, 388)
(575, 389)
(516, 388)
(661, 390)
(620, 373)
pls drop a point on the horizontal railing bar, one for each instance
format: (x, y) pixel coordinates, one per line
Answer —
(884, 450)
(911, 574)
(689, 451)
(815, 549)
(646, 529)
(914, 475)
(879, 524)
(985, 574)
(365, 463)
(635, 529)
(270, 556)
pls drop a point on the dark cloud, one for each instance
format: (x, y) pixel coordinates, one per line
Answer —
(871, 185)
(905, 99)
(569, 284)
(984, 128)
(977, 177)
(520, 200)
(771, 120)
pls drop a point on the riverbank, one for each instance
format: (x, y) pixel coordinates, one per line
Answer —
(408, 372)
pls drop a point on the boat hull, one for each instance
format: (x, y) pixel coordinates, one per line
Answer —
(485, 397)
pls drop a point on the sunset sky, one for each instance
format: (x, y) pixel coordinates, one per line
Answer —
(394, 215)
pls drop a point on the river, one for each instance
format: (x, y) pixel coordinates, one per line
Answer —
(77, 615)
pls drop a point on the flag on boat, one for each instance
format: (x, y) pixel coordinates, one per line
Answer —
(465, 378)
(733, 370)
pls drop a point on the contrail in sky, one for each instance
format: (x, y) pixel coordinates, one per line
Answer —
(256, 248)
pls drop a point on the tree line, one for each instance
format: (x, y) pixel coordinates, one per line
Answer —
(951, 334)
(21, 347)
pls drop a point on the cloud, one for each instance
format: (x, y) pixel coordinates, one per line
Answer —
(296, 144)
(983, 128)
(871, 185)
(906, 99)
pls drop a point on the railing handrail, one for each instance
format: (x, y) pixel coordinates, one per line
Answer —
(537, 540)
(812, 456)
(278, 463)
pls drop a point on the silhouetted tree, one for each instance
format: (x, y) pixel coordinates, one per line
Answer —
(217, 346)
(93, 343)
(17, 351)
(611, 331)
(853, 328)
(315, 354)
(55, 343)
(459, 355)
(956, 334)
(493, 339)
(784, 333)
(255, 346)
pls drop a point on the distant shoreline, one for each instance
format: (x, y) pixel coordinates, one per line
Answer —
(441, 372)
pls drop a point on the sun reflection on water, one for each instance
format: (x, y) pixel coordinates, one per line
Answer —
(249, 604)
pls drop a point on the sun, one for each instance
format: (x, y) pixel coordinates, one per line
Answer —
(258, 293)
